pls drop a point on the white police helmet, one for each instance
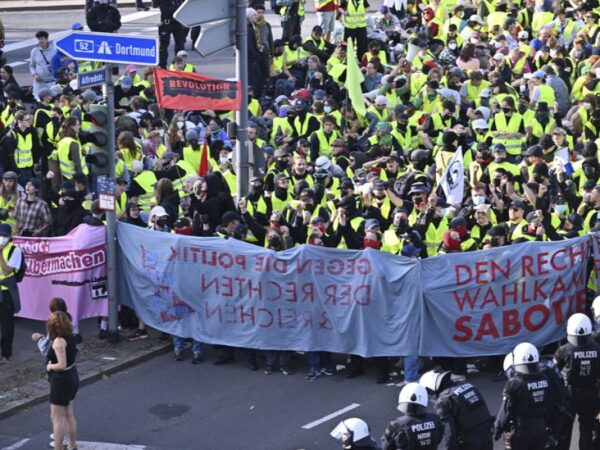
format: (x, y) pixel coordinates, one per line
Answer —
(596, 309)
(526, 358)
(352, 432)
(508, 362)
(413, 399)
(433, 380)
(579, 330)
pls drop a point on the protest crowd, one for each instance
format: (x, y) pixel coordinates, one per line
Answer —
(418, 128)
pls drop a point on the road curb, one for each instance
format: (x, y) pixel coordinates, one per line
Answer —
(42, 386)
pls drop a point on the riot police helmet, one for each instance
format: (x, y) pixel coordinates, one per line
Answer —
(526, 358)
(413, 399)
(579, 330)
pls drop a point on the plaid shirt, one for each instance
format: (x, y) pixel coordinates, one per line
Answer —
(32, 216)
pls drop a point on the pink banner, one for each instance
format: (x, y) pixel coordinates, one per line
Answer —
(72, 267)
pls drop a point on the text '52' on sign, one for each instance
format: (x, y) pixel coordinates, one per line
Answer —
(110, 48)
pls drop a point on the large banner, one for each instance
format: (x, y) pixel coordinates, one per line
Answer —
(308, 298)
(486, 302)
(72, 267)
(192, 91)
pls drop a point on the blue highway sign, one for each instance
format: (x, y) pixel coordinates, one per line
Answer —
(110, 48)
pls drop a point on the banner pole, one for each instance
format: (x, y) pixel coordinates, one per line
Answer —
(111, 219)
(241, 68)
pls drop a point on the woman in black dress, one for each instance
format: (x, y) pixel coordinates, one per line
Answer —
(63, 377)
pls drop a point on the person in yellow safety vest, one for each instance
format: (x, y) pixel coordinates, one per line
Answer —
(471, 89)
(508, 128)
(128, 149)
(534, 229)
(281, 195)
(571, 227)
(69, 150)
(378, 112)
(322, 139)
(354, 15)
(474, 24)
(393, 238)
(21, 147)
(12, 103)
(9, 194)
(457, 238)
(539, 91)
(43, 109)
(316, 45)
(192, 153)
(565, 29)
(482, 223)
(141, 187)
(120, 198)
(131, 72)
(180, 63)
(515, 222)
(434, 221)
(456, 19)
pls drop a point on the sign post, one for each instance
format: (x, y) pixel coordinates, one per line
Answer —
(119, 49)
(217, 19)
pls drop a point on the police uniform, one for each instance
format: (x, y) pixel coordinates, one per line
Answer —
(580, 369)
(467, 420)
(168, 25)
(423, 431)
(522, 415)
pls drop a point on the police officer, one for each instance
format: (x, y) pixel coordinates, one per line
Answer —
(579, 363)
(463, 411)
(416, 429)
(521, 419)
(354, 434)
(168, 25)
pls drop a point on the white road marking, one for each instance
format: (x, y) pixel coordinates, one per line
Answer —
(16, 445)
(328, 417)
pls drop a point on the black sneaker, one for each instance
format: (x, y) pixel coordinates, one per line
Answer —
(269, 370)
(286, 370)
(198, 359)
(137, 335)
(102, 334)
(313, 374)
(326, 371)
(178, 355)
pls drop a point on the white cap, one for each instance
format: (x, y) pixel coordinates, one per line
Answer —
(158, 211)
(476, 18)
(322, 162)
(498, 56)
(182, 53)
(485, 93)
(480, 124)
(382, 100)
(523, 34)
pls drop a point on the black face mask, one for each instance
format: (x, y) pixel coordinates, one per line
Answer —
(401, 226)
(522, 109)
(256, 190)
(161, 222)
(55, 120)
(274, 241)
(506, 110)
(280, 164)
(542, 118)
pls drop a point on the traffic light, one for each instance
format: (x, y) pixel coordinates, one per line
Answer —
(100, 152)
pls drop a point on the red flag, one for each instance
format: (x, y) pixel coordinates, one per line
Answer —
(194, 92)
(203, 167)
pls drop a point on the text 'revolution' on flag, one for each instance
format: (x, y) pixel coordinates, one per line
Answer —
(193, 91)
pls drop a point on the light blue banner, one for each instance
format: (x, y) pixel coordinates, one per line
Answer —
(365, 302)
(486, 302)
(308, 298)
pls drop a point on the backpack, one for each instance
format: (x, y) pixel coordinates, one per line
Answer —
(19, 274)
(283, 87)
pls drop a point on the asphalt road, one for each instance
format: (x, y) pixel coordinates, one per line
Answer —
(21, 28)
